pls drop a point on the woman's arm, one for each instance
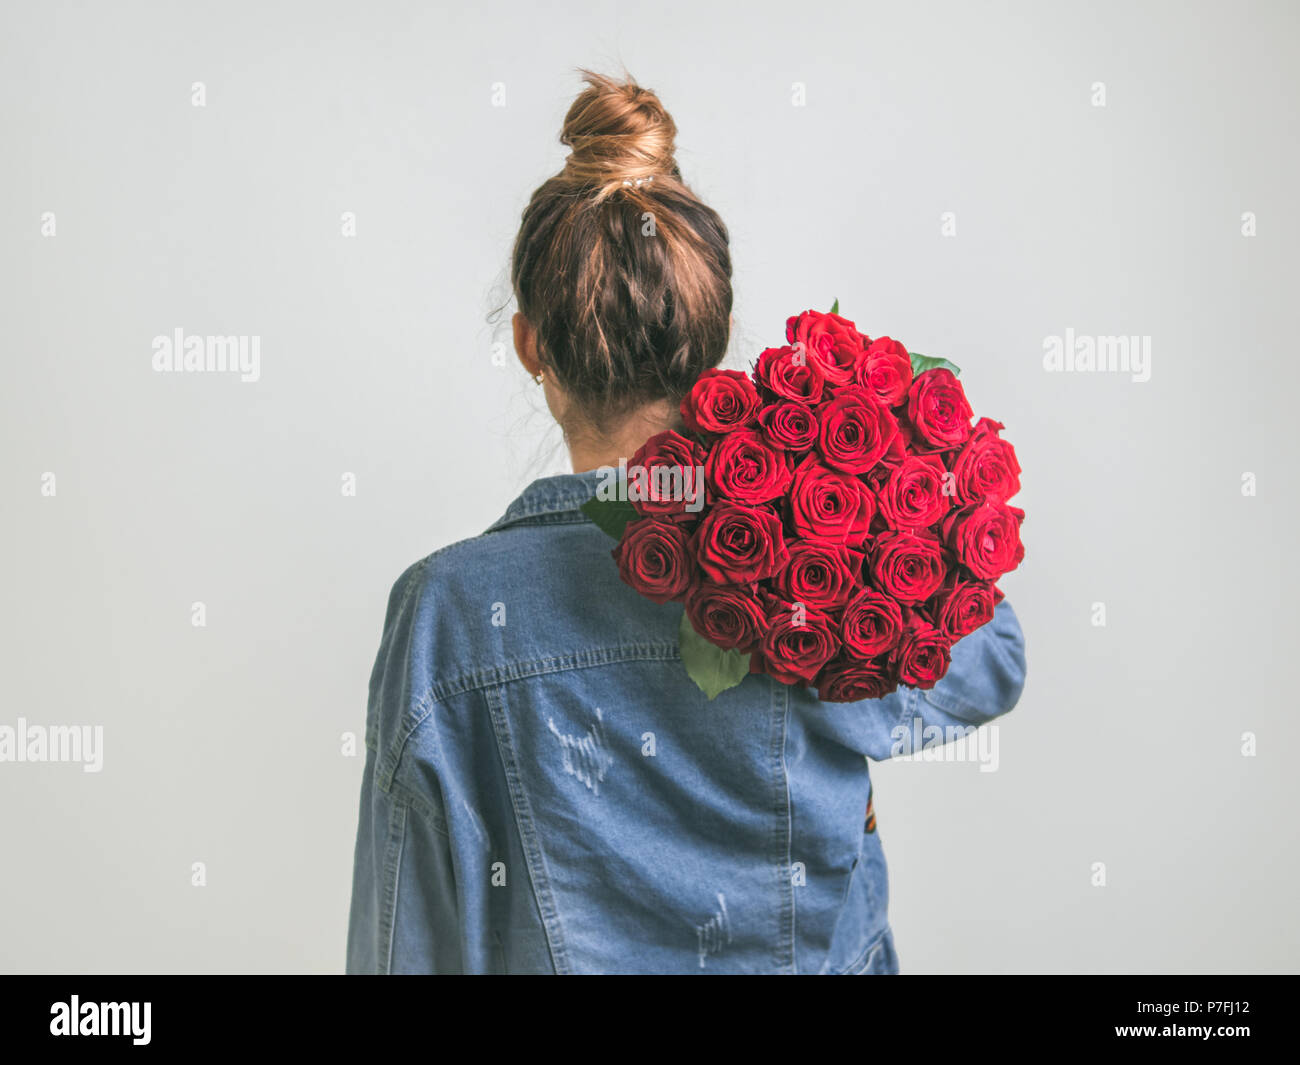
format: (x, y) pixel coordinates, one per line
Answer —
(404, 912)
(984, 681)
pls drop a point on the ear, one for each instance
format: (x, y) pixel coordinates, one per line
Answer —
(526, 345)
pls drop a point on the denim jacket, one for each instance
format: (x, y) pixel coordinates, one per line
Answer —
(547, 791)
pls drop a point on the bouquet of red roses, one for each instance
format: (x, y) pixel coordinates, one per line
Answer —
(830, 519)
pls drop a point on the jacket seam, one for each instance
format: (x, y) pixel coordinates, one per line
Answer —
(907, 700)
(786, 934)
(413, 582)
(495, 676)
(544, 517)
(414, 575)
(411, 721)
(392, 883)
(860, 962)
(530, 844)
(912, 704)
(419, 804)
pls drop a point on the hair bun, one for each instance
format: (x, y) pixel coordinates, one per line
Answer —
(618, 132)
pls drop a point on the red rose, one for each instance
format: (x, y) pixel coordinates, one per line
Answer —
(720, 401)
(848, 680)
(738, 545)
(871, 624)
(856, 430)
(986, 468)
(961, 607)
(913, 497)
(653, 557)
(938, 410)
(790, 425)
(664, 477)
(790, 374)
(885, 368)
(854, 522)
(744, 469)
(797, 642)
(727, 616)
(908, 565)
(923, 654)
(828, 505)
(819, 574)
(904, 443)
(832, 341)
(986, 538)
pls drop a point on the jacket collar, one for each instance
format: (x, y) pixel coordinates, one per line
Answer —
(549, 498)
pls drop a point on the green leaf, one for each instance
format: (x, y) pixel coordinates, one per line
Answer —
(610, 515)
(713, 669)
(922, 363)
(835, 307)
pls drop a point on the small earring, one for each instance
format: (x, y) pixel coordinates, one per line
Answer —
(538, 378)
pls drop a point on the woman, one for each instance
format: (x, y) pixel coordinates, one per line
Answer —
(545, 788)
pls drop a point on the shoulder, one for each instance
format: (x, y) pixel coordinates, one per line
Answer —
(502, 560)
(463, 600)
(535, 596)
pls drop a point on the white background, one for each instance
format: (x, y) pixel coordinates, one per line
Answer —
(222, 744)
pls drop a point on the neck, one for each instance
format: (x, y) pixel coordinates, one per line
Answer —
(590, 449)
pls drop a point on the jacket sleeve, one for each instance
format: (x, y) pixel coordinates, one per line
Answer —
(370, 919)
(403, 917)
(984, 681)
(403, 914)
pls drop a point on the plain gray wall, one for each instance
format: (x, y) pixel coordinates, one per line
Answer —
(222, 743)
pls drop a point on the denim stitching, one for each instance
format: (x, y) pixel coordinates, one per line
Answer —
(548, 497)
(789, 832)
(549, 517)
(437, 821)
(494, 676)
(392, 874)
(528, 838)
(863, 960)
(411, 721)
(782, 829)
(907, 700)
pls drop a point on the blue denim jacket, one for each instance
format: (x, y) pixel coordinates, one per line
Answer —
(546, 790)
